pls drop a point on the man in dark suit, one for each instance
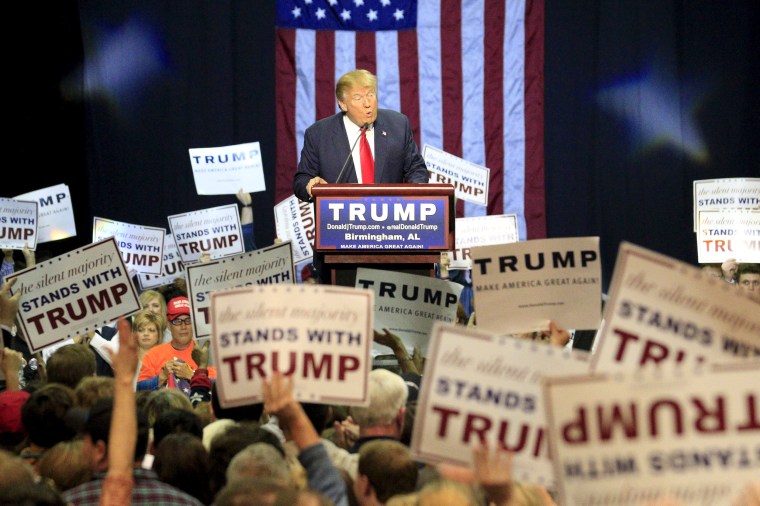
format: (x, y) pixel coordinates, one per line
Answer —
(327, 142)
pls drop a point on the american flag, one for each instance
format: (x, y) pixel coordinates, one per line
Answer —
(467, 73)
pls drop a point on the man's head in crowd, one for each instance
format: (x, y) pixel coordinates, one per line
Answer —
(13, 470)
(165, 399)
(259, 460)
(180, 322)
(69, 364)
(96, 431)
(385, 469)
(182, 462)
(66, 465)
(387, 402)
(92, 388)
(176, 421)
(748, 278)
(44, 415)
(226, 445)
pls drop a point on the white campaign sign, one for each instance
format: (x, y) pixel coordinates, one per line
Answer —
(18, 224)
(470, 180)
(480, 385)
(481, 231)
(294, 221)
(56, 212)
(728, 234)
(141, 247)
(689, 436)
(661, 310)
(724, 194)
(227, 169)
(319, 335)
(74, 293)
(265, 266)
(520, 287)
(408, 304)
(171, 269)
(215, 231)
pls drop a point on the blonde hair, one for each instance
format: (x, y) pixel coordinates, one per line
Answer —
(357, 77)
(149, 295)
(149, 317)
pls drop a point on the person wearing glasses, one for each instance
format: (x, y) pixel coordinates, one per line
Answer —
(174, 358)
(748, 279)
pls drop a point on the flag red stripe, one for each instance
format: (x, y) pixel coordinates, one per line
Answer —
(365, 51)
(493, 110)
(451, 81)
(285, 112)
(409, 80)
(535, 198)
(324, 73)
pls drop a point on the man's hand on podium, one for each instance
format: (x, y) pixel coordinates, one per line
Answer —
(312, 182)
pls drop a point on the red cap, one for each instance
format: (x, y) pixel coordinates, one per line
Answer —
(177, 307)
(11, 403)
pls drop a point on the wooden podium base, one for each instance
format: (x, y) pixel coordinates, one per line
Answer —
(341, 268)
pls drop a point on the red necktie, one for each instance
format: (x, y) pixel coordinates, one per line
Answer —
(368, 163)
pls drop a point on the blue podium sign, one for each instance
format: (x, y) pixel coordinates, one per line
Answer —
(363, 223)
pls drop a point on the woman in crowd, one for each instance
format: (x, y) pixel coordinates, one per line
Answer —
(149, 327)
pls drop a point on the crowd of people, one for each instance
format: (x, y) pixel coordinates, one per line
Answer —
(89, 422)
(154, 399)
(62, 422)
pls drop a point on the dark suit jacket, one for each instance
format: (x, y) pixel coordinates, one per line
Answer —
(326, 147)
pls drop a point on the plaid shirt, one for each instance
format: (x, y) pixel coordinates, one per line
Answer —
(148, 490)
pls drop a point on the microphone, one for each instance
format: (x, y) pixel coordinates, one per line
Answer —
(350, 153)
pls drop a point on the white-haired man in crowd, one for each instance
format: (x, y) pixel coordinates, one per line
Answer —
(383, 418)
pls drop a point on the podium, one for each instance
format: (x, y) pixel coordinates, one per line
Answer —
(399, 227)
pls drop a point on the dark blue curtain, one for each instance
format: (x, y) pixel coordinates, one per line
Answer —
(641, 98)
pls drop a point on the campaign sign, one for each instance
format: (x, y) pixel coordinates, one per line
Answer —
(378, 223)
(141, 247)
(470, 180)
(215, 231)
(74, 293)
(18, 224)
(726, 193)
(261, 267)
(171, 268)
(480, 231)
(56, 212)
(520, 287)
(294, 221)
(225, 170)
(408, 304)
(320, 335)
(661, 311)
(632, 439)
(479, 386)
(728, 234)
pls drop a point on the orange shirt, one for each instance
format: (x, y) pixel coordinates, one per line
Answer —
(156, 357)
